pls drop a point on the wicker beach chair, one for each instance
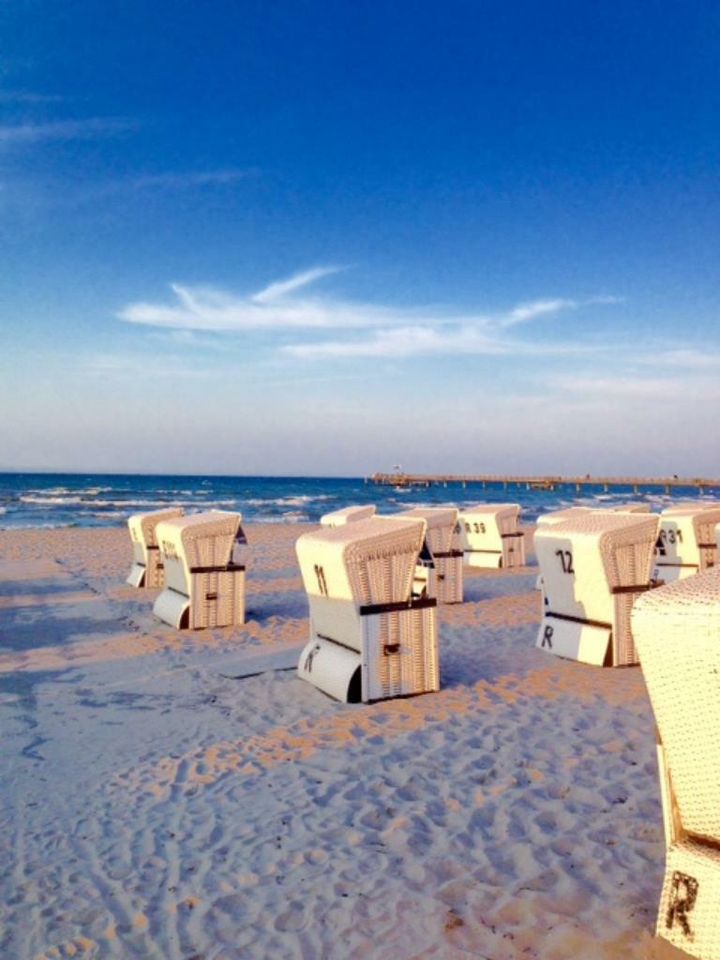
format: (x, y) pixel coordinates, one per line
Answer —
(369, 638)
(490, 537)
(677, 631)
(204, 587)
(439, 572)
(560, 516)
(147, 568)
(593, 567)
(339, 518)
(686, 541)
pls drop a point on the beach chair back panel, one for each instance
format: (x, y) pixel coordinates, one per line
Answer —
(628, 565)
(441, 523)
(448, 575)
(218, 599)
(401, 654)
(705, 525)
(338, 518)
(386, 577)
(485, 532)
(560, 516)
(677, 632)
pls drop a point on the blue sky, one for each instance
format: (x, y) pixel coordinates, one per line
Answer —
(324, 238)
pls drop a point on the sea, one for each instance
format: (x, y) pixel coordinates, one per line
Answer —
(47, 500)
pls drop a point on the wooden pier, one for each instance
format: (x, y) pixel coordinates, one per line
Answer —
(667, 484)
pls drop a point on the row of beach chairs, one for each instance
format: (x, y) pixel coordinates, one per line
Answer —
(619, 586)
(594, 565)
(373, 585)
(626, 587)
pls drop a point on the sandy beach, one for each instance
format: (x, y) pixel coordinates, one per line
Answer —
(183, 796)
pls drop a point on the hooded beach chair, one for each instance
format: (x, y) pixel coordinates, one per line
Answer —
(439, 572)
(147, 568)
(593, 567)
(204, 587)
(489, 536)
(686, 541)
(369, 638)
(560, 516)
(347, 515)
(677, 632)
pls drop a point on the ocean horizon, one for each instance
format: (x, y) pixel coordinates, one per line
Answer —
(56, 500)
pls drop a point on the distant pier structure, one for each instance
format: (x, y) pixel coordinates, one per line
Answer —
(668, 484)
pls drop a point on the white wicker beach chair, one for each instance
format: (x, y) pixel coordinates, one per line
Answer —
(490, 536)
(677, 632)
(593, 567)
(347, 515)
(439, 572)
(147, 568)
(686, 541)
(560, 516)
(369, 638)
(204, 587)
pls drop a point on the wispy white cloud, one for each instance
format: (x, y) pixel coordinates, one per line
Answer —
(89, 129)
(537, 308)
(280, 289)
(272, 308)
(278, 306)
(416, 341)
(399, 332)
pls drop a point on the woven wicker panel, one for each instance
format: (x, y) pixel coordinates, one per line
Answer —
(440, 522)
(414, 668)
(449, 579)
(677, 633)
(347, 515)
(705, 524)
(217, 599)
(689, 914)
(154, 570)
(513, 554)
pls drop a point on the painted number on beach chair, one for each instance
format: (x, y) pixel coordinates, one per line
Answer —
(479, 527)
(668, 536)
(566, 560)
(683, 895)
(322, 583)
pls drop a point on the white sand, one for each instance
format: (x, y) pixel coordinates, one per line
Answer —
(153, 807)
